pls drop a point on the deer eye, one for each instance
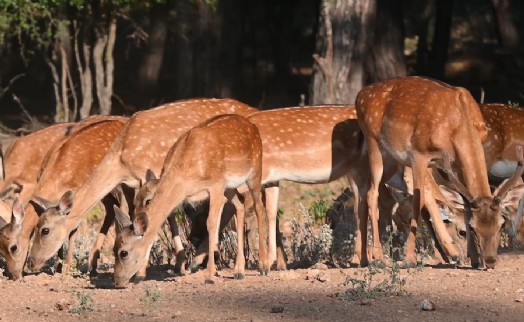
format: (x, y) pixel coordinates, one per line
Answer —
(45, 231)
(462, 233)
(13, 249)
(123, 254)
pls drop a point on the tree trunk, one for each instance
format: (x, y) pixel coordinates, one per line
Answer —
(230, 14)
(149, 71)
(104, 65)
(184, 60)
(343, 38)
(439, 49)
(387, 53)
(507, 32)
(422, 33)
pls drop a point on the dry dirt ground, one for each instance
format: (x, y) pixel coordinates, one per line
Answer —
(313, 294)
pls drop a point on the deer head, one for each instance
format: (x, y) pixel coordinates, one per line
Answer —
(484, 216)
(52, 217)
(9, 233)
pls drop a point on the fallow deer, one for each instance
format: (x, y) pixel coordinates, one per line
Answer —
(211, 160)
(315, 144)
(143, 144)
(413, 121)
(21, 162)
(66, 167)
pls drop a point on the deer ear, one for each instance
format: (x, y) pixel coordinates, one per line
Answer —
(40, 204)
(453, 197)
(121, 218)
(150, 175)
(66, 202)
(140, 224)
(17, 213)
(3, 223)
(513, 196)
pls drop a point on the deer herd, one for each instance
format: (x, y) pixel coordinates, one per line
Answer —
(407, 138)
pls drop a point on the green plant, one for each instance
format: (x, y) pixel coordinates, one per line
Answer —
(85, 303)
(318, 210)
(152, 295)
(376, 281)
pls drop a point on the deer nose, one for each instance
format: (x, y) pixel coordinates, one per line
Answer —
(490, 261)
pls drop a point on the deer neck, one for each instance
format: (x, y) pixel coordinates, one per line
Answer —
(473, 168)
(29, 222)
(165, 200)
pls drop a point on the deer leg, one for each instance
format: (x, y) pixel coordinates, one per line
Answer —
(216, 204)
(240, 262)
(264, 263)
(419, 167)
(442, 236)
(281, 254)
(180, 252)
(271, 193)
(228, 212)
(66, 269)
(377, 168)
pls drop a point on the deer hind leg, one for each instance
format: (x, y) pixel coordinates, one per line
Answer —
(262, 221)
(216, 204)
(419, 167)
(180, 253)
(65, 267)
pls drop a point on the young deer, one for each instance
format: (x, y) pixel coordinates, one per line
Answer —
(21, 162)
(211, 160)
(73, 159)
(143, 144)
(315, 144)
(414, 121)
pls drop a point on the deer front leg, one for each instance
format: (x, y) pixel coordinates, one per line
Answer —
(66, 268)
(376, 164)
(180, 253)
(216, 204)
(240, 262)
(272, 194)
(419, 167)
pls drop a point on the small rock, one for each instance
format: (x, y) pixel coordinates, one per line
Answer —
(322, 277)
(113, 306)
(453, 274)
(520, 299)
(312, 274)
(177, 314)
(427, 305)
(366, 302)
(277, 309)
(320, 266)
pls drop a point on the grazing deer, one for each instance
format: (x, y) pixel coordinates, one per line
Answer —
(315, 144)
(505, 134)
(21, 162)
(413, 121)
(66, 167)
(211, 160)
(143, 144)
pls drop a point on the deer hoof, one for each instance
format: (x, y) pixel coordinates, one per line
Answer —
(138, 279)
(239, 276)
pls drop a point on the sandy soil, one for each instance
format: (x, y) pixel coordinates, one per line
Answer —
(295, 295)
